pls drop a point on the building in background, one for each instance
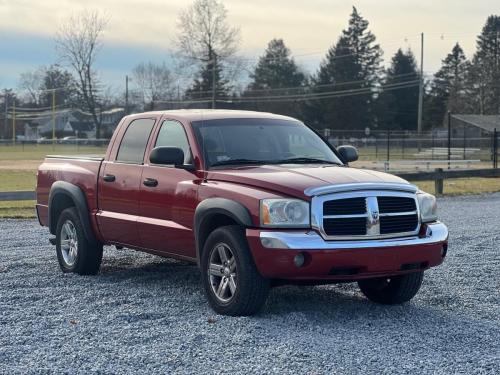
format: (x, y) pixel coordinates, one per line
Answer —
(70, 122)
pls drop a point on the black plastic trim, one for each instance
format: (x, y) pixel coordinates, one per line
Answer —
(214, 206)
(78, 197)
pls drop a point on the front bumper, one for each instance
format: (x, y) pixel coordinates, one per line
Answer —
(274, 253)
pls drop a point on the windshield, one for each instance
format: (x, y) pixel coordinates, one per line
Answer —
(260, 141)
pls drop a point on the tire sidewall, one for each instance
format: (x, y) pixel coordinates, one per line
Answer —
(217, 237)
(70, 214)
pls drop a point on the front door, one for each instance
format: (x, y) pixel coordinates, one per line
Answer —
(168, 198)
(119, 185)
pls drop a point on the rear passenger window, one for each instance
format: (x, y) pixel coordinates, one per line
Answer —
(134, 141)
(172, 134)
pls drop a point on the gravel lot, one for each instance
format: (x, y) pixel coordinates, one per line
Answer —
(147, 314)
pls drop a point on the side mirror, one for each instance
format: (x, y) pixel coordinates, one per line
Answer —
(348, 153)
(167, 156)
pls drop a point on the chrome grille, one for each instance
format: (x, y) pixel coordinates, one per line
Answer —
(348, 206)
(396, 204)
(366, 215)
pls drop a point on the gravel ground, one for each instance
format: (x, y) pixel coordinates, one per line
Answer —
(147, 314)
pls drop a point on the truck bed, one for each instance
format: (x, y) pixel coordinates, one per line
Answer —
(80, 170)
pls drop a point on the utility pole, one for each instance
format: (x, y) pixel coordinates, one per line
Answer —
(421, 90)
(6, 98)
(53, 116)
(14, 122)
(126, 94)
(214, 90)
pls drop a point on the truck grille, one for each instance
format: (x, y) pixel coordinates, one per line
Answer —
(368, 216)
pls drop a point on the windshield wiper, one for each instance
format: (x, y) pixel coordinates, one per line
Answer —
(239, 162)
(304, 160)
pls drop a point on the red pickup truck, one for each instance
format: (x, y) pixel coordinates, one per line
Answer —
(255, 199)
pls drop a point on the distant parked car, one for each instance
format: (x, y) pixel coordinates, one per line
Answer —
(41, 140)
(69, 139)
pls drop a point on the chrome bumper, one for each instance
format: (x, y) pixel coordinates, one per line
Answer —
(311, 240)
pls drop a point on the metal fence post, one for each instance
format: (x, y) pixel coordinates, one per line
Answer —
(464, 143)
(438, 181)
(495, 148)
(432, 143)
(449, 139)
(388, 144)
(403, 145)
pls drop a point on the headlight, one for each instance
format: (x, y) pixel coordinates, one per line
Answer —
(284, 213)
(428, 207)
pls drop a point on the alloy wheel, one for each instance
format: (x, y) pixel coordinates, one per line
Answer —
(69, 243)
(222, 272)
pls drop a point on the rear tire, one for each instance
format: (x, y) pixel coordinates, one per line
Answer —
(392, 290)
(232, 283)
(74, 252)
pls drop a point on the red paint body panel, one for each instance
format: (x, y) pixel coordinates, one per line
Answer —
(371, 262)
(80, 172)
(160, 219)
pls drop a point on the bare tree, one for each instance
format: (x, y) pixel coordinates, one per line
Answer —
(31, 82)
(206, 37)
(78, 41)
(154, 81)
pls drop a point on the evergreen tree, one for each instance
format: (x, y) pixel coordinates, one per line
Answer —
(484, 74)
(60, 80)
(351, 67)
(275, 74)
(448, 88)
(400, 103)
(202, 87)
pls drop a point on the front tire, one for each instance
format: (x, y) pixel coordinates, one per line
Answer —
(232, 283)
(392, 290)
(74, 252)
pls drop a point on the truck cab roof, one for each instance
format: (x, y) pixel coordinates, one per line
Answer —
(213, 114)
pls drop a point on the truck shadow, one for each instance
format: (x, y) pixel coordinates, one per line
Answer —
(155, 281)
(153, 274)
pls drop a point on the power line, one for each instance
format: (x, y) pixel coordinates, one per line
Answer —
(305, 87)
(336, 93)
(309, 96)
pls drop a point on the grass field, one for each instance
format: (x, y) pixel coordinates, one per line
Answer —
(38, 152)
(25, 180)
(14, 179)
(18, 170)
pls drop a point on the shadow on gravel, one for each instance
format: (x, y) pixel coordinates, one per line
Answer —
(168, 271)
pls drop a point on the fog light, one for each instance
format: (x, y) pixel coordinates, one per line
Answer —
(299, 260)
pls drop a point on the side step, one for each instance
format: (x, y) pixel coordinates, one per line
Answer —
(52, 240)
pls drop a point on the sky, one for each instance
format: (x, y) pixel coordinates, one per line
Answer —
(140, 31)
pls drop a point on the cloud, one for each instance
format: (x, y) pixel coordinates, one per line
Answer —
(144, 30)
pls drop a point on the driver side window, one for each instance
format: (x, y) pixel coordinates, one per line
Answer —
(172, 134)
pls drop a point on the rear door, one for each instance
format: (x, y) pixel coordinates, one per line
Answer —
(167, 206)
(119, 185)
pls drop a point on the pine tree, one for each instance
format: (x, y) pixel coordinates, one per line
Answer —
(202, 87)
(448, 88)
(60, 79)
(484, 74)
(400, 103)
(276, 74)
(352, 67)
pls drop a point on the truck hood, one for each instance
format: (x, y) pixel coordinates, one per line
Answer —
(294, 179)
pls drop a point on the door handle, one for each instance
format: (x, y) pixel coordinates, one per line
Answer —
(109, 178)
(151, 182)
